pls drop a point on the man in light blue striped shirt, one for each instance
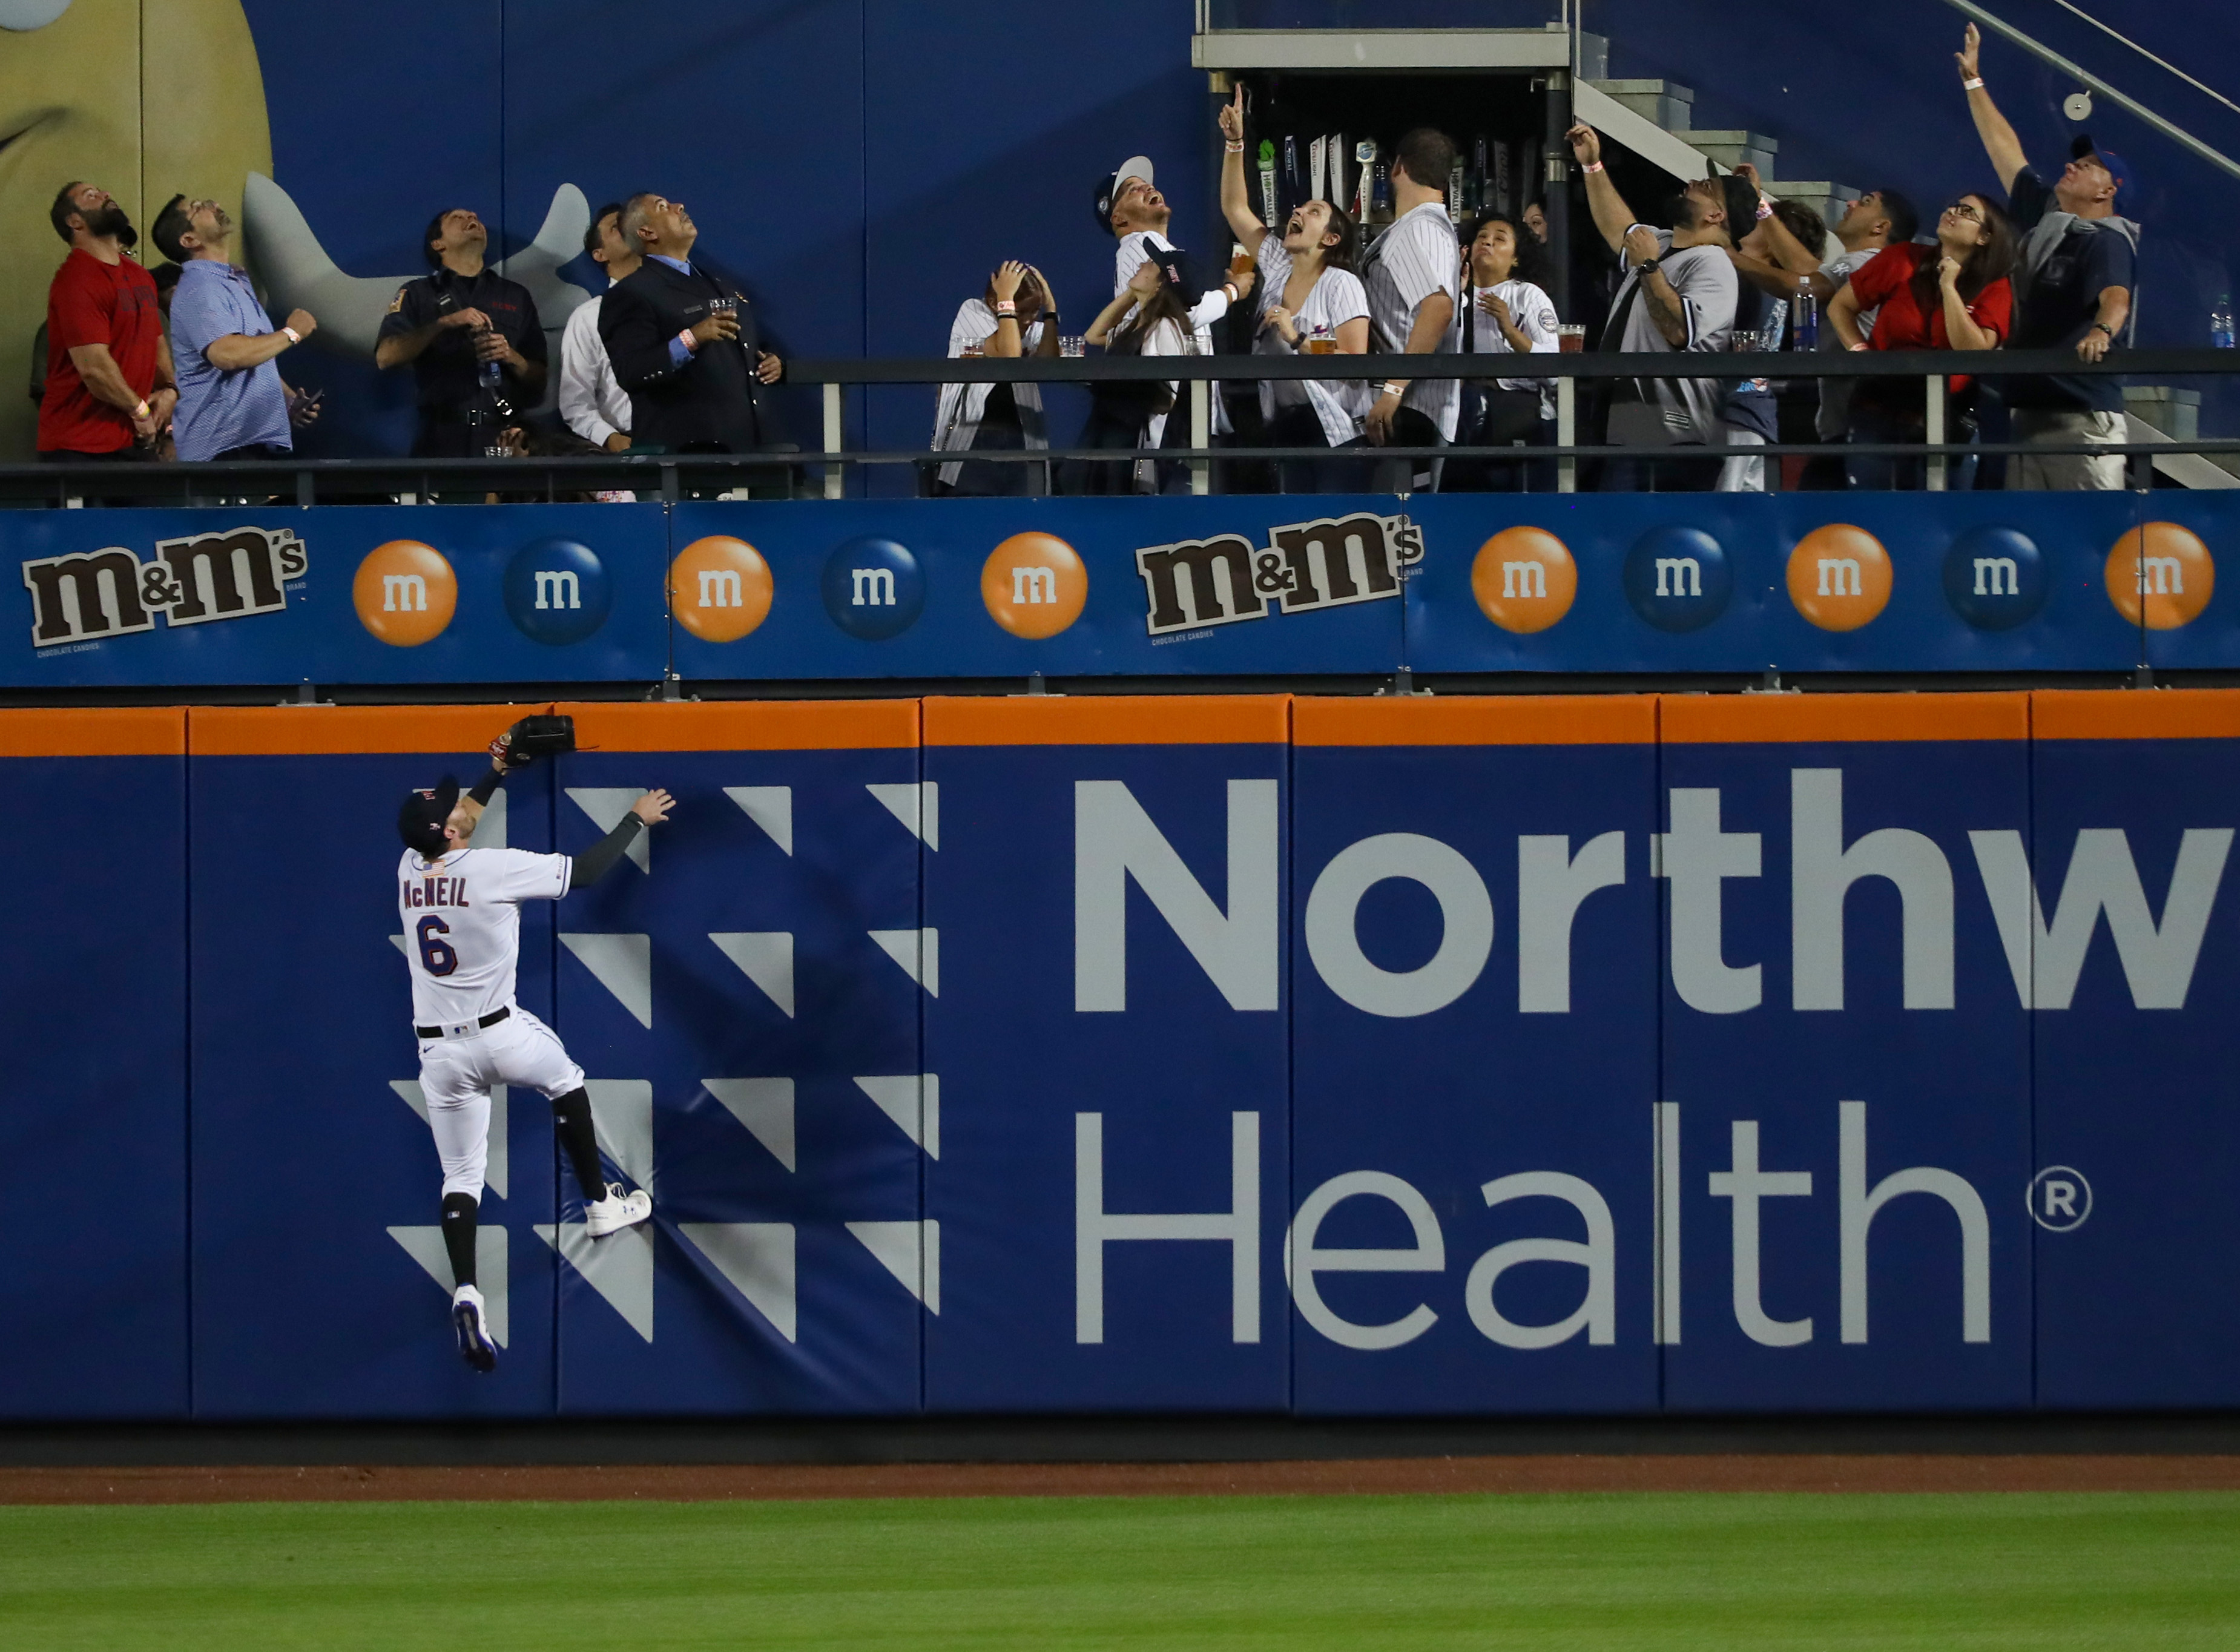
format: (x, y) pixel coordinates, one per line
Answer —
(232, 402)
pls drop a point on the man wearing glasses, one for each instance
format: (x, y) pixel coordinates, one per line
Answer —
(2079, 262)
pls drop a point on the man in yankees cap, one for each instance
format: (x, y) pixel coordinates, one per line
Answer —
(1130, 206)
(461, 911)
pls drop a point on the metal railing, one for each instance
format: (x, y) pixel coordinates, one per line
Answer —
(673, 476)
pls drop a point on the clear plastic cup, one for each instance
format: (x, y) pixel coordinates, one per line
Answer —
(1571, 338)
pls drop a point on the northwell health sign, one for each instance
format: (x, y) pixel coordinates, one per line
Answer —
(1338, 1055)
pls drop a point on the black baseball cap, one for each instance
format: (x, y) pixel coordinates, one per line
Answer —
(1741, 205)
(1137, 166)
(420, 820)
(1176, 265)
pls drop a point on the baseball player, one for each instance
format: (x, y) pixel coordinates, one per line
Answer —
(461, 911)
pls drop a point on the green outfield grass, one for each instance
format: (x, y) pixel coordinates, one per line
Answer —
(1616, 1570)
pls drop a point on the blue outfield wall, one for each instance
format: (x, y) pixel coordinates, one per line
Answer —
(1235, 585)
(1768, 1053)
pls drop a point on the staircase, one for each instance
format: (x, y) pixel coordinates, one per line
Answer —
(1671, 107)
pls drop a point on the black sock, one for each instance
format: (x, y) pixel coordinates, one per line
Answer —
(459, 1235)
(572, 1118)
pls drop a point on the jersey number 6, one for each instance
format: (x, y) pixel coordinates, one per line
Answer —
(436, 957)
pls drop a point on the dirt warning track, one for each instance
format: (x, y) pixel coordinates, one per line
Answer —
(1806, 1472)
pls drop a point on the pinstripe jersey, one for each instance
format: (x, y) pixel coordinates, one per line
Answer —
(1414, 258)
(1335, 299)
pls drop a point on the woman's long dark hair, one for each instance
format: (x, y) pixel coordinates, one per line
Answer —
(1348, 250)
(1166, 304)
(1992, 259)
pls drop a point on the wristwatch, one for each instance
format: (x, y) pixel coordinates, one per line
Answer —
(2102, 327)
(1648, 264)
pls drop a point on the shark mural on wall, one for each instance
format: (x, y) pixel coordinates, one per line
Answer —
(296, 271)
(76, 104)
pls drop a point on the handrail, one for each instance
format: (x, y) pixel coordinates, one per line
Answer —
(669, 476)
(1896, 363)
(2159, 63)
(2047, 54)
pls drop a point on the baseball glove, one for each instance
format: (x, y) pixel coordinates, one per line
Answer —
(543, 736)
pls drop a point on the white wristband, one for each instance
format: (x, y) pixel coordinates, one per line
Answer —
(691, 343)
(1396, 387)
(1975, 85)
(294, 337)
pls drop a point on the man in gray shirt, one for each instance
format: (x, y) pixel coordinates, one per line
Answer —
(1678, 295)
(1411, 273)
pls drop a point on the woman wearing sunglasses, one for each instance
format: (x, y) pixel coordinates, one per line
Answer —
(1953, 296)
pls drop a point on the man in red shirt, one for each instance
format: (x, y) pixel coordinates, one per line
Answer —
(109, 388)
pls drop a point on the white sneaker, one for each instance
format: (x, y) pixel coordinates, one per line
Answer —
(619, 1210)
(475, 1345)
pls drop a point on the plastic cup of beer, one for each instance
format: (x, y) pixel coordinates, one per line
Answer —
(1240, 262)
(1571, 339)
(1322, 342)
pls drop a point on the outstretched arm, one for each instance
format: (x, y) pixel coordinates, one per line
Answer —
(1999, 140)
(1612, 216)
(1235, 200)
(594, 862)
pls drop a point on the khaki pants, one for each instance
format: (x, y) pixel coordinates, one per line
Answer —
(2066, 472)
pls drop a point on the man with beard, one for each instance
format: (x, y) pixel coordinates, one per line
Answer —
(108, 376)
(1678, 295)
(232, 402)
(453, 324)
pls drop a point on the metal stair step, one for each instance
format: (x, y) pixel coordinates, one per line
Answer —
(1665, 102)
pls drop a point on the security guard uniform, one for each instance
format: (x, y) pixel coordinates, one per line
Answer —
(458, 417)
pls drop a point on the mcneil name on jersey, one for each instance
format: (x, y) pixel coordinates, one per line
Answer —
(434, 891)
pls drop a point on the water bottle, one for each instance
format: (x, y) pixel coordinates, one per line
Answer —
(490, 374)
(1804, 332)
(2220, 322)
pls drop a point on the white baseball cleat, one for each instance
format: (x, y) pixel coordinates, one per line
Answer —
(619, 1210)
(475, 1344)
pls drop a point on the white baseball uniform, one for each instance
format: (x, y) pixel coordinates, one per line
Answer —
(462, 917)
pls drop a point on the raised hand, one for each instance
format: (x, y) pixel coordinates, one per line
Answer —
(1970, 53)
(1232, 116)
(654, 807)
(1008, 274)
(1586, 144)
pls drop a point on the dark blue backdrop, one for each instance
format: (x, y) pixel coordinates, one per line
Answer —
(865, 164)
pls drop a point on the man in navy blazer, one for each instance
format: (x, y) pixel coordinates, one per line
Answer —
(683, 340)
